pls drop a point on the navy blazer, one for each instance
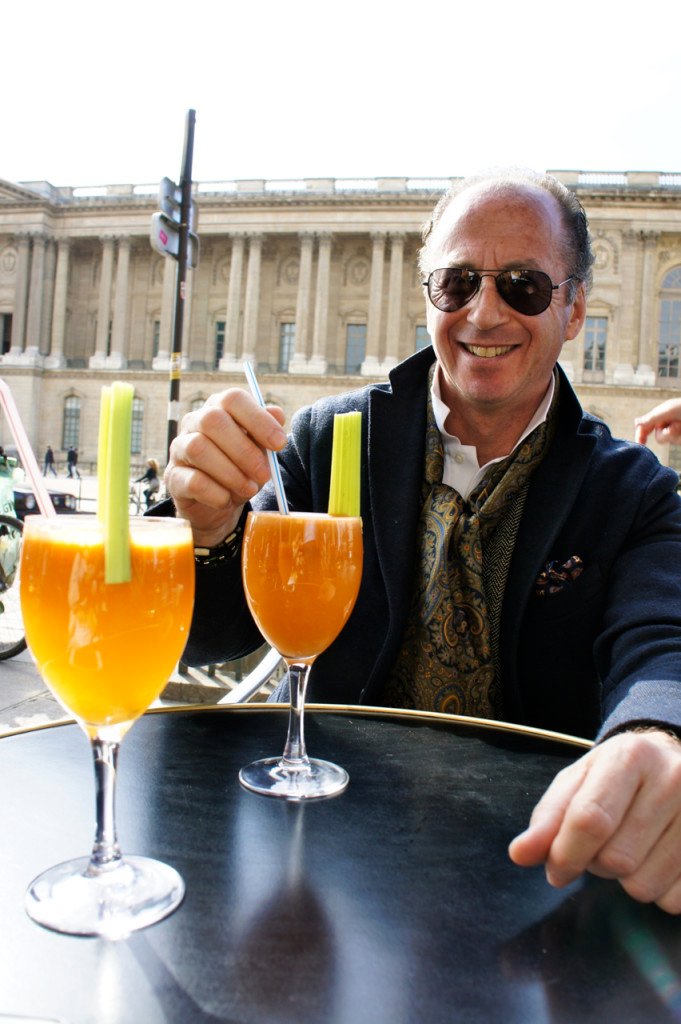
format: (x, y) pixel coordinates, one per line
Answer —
(586, 656)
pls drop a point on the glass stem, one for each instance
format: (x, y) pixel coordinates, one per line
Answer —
(106, 851)
(294, 751)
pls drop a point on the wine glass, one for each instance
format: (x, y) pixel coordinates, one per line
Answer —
(105, 650)
(301, 574)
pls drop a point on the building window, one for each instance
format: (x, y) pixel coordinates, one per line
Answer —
(422, 339)
(70, 434)
(595, 334)
(197, 403)
(355, 347)
(6, 339)
(670, 324)
(287, 345)
(219, 350)
(136, 427)
(156, 339)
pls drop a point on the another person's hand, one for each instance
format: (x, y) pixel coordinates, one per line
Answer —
(664, 420)
(217, 461)
(615, 812)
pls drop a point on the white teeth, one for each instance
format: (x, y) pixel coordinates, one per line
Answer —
(488, 352)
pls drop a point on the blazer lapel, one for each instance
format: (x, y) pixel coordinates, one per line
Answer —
(397, 425)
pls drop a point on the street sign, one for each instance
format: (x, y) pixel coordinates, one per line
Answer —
(170, 199)
(165, 235)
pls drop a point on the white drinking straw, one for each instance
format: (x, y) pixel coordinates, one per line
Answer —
(272, 458)
(25, 451)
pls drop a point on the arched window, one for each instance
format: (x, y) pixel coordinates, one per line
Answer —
(287, 345)
(670, 324)
(70, 430)
(355, 347)
(219, 347)
(136, 427)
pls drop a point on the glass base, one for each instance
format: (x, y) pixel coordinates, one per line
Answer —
(311, 780)
(112, 902)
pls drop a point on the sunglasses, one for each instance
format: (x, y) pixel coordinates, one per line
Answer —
(526, 291)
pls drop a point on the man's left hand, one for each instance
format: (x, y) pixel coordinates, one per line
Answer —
(616, 813)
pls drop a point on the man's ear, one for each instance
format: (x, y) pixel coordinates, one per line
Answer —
(577, 314)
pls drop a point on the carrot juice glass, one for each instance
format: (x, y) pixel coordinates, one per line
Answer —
(301, 573)
(106, 651)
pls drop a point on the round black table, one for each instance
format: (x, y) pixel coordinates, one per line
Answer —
(392, 903)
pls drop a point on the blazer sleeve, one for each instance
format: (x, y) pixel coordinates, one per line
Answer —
(638, 652)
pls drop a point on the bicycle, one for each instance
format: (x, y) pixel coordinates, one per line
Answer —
(135, 499)
(12, 637)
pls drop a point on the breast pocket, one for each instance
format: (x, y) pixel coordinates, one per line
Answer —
(561, 599)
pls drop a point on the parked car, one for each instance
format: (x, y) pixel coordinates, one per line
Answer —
(25, 503)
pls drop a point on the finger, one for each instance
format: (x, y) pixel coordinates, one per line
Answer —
(597, 809)
(658, 878)
(262, 425)
(533, 845)
(201, 472)
(642, 431)
(645, 851)
(669, 433)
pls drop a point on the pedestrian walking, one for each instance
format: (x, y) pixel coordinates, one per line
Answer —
(48, 463)
(72, 463)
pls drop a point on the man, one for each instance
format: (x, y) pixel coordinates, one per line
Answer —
(48, 462)
(72, 463)
(565, 544)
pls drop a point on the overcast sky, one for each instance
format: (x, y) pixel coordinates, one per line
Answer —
(96, 94)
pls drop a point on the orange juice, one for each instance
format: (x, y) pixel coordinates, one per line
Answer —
(301, 576)
(105, 650)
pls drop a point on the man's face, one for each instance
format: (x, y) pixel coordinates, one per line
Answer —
(493, 358)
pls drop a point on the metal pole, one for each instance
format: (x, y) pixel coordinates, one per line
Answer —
(181, 281)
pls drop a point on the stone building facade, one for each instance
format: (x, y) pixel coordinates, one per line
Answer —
(314, 281)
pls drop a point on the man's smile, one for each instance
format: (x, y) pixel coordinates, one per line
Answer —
(487, 351)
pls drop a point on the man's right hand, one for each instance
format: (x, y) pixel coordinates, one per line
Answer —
(217, 461)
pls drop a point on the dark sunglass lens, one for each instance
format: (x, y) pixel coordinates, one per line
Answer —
(528, 292)
(451, 288)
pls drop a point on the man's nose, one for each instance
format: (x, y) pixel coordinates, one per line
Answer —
(487, 309)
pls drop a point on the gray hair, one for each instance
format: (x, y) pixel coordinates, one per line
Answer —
(578, 253)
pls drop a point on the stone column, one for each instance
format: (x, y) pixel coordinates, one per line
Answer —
(56, 360)
(371, 365)
(161, 360)
(34, 316)
(229, 362)
(646, 370)
(99, 360)
(48, 297)
(252, 303)
(20, 299)
(318, 363)
(117, 359)
(299, 359)
(394, 319)
(623, 369)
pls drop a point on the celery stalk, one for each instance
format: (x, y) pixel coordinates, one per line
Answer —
(102, 449)
(344, 492)
(116, 524)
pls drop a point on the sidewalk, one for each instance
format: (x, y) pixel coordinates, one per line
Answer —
(83, 489)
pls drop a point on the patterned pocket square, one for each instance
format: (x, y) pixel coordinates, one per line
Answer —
(555, 577)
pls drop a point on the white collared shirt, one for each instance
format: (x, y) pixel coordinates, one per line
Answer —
(461, 469)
